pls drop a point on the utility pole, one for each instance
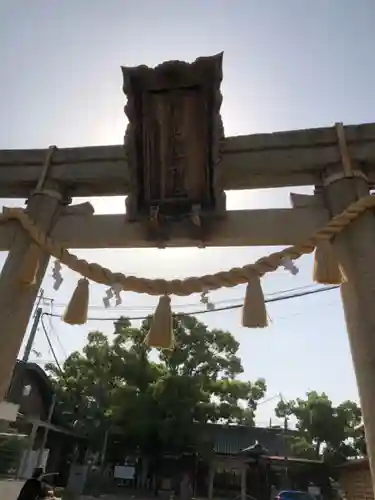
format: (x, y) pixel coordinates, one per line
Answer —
(25, 359)
(24, 467)
(45, 432)
(31, 338)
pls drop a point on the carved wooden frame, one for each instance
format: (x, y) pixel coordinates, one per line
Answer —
(204, 75)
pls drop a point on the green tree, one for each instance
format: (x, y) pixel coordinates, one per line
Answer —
(155, 402)
(199, 382)
(85, 387)
(360, 440)
(322, 429)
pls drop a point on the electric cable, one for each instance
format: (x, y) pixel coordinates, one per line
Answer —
(50, 344)
(271, 299)
(59, 369)
(218, 309)
(177, 306)
(52, 329)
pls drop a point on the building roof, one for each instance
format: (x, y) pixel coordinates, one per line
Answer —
(295, 460)
(355, 463)
(45, 388)
(232, 439)
(39, 377)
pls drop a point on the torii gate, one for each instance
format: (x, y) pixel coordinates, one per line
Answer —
(175, 167)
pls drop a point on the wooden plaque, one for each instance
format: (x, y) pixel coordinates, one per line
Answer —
(174, 137)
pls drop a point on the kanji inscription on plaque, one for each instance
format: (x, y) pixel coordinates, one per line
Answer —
(174, 137)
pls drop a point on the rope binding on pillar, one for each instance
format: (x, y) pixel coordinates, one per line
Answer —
(31, 262)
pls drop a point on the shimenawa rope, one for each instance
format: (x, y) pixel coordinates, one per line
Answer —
(250, 273)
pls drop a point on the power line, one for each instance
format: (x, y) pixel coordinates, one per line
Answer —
(218, 309)
(268, 400)
(177, 306)
(50, 344)
(60, 370)
(303, 292)
(57, 337)
(51, 328)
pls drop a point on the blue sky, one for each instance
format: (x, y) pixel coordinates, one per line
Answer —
(287, 65)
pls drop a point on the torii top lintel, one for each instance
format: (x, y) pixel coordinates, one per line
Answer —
(291, 158)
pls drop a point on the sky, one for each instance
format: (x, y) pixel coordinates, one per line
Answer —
(288, 64)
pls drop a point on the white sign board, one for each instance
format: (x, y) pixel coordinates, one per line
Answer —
(124, 472)
(77, 479)
(8, 411)
(314, 490)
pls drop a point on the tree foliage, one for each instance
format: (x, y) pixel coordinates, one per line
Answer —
(156, 402)
(322, 428)
(151, 401)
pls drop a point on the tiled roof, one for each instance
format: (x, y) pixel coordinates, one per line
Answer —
(360, 463)
(231, 439)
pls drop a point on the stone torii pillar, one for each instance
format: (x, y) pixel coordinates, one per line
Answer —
(17, 299)
(355, 249)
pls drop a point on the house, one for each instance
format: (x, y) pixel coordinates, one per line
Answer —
(355, 479)
(249, 460)
(236, 461)
(216, 469)
(33, 391)
(355, 476)
(227, 472)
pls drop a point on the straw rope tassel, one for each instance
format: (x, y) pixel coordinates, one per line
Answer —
(161, 331)
(30, 265)
(254, 314)
(76, 312)
(327, 269)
